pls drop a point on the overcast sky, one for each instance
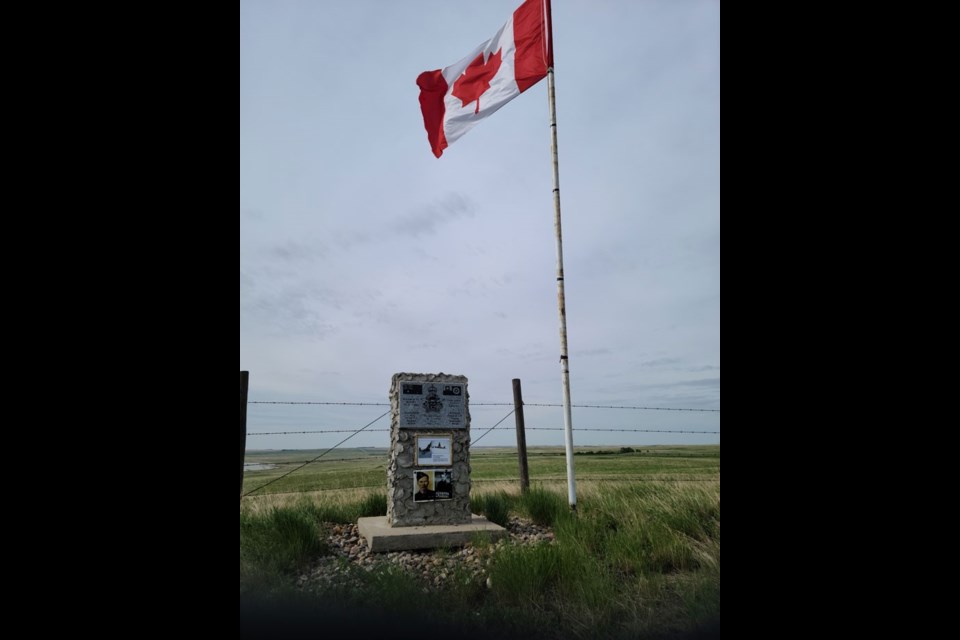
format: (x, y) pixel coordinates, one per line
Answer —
(362, 255)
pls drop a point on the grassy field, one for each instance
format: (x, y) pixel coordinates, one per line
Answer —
(639, 559)
(356, 470)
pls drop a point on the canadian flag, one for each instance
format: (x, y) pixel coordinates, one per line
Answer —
(456, 98)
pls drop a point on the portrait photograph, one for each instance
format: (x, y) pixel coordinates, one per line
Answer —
(430, 485)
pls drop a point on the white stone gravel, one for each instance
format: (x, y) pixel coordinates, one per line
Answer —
(433, 569)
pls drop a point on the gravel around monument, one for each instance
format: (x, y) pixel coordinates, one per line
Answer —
(432, 568)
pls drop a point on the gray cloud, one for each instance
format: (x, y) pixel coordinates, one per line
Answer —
(297, 252)
(589, 353)
(661, 362)
(429, 218)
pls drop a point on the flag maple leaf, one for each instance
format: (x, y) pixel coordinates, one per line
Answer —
(476, 79)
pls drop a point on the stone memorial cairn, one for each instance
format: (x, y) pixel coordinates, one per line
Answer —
(429, 434)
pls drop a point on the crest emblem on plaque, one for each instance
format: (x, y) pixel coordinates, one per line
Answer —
(432, 404)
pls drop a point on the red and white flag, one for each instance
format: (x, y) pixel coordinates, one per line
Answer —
(457, 97)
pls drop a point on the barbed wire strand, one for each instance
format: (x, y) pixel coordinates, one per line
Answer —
(586, 430)
(476, 440)
(582, 430)
(351, 404)
(602, 406)
(557, 454)
(485, 404)
(290, 433)
(317, 458)
(586, 406)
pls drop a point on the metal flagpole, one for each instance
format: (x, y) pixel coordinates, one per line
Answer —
(561, 299)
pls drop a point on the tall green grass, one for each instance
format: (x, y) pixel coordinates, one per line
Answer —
(495, 506)
(637, 559)
(632, 562)
(544, 507)
(277, 542)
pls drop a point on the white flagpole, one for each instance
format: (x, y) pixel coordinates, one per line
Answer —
(561, 299)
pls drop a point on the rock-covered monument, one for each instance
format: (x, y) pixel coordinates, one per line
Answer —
(429, 436)
(428, 475)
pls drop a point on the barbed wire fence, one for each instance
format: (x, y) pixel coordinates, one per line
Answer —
(486, 404)
(496, 426)
(357, 432)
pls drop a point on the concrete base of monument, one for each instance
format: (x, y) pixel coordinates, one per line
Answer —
(381, 537)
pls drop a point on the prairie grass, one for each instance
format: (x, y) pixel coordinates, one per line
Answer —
(495, 506)
(333, 506)
(276, 542)
(633, 561)
(640, 557)
(544, 507)
(280, 534)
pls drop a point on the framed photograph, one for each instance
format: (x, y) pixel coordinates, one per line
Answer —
(430, 485)
(434, 450)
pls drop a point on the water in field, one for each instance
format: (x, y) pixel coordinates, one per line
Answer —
(258, 466)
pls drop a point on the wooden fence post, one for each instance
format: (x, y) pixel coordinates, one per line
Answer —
(244, 383)
(521, 437)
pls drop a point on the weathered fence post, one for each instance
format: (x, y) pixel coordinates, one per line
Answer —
(244, 383)
(521, 437)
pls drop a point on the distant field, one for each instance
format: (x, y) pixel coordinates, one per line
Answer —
(359, 470)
